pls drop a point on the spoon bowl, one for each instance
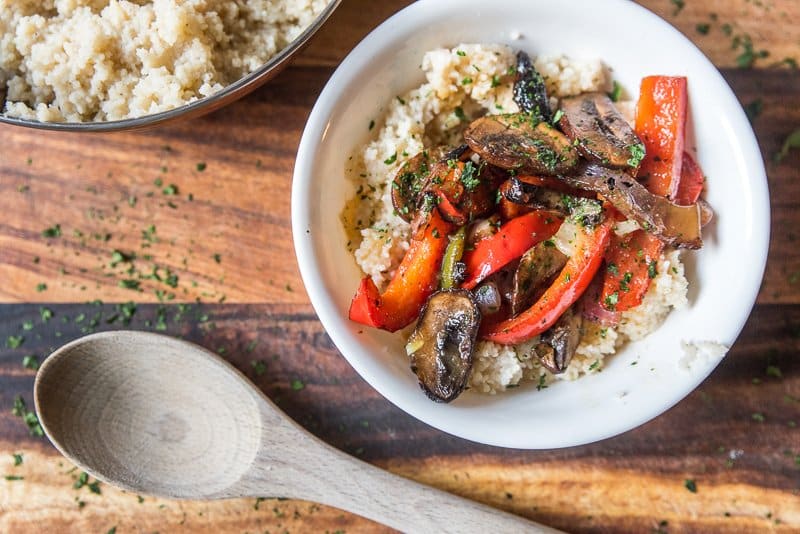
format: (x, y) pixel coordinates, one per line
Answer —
(134, 390)
(160, 416)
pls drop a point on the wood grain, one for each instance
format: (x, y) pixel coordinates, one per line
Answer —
(736, 436)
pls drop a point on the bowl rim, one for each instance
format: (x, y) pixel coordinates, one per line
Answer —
(226, 95)
(316, 129)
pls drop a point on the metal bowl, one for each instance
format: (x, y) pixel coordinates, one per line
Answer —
(229, 94)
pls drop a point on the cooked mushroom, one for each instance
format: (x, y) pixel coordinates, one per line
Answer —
(520, 143)
(442, 345)
(409, 182)
(535, 269)
(675, 225)
(585, 211)
(558, 344)
(530, 93)
(488, 299)
(414, 177)
(601, 133)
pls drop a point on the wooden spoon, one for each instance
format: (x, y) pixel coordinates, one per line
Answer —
(160, 416)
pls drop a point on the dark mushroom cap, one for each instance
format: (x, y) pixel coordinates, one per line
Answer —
(444, 342)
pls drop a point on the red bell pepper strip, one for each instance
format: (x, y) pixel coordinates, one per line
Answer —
(691, 182)
(631, 263)
(661, 125)
(511, 241)
(568, 287)
(667, 171)
(416, 279)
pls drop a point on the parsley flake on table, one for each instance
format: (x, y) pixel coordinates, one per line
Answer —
(20, 409)
(53, 231)
(259, 367)
(297, 384)
(13, 342)
(791, 141)
(30, 361)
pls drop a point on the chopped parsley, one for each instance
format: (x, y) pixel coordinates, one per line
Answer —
(201, 166)
(542, 382)
(703, 28)
(594, 365)
(129, 284)
(461, 53)
(679, 5)
(470, 177)
(616, 92)
(459, 113)
(170, 190)
(690, 485)
(371, 124)
(612, 269)
(624, 284)
(13, 342)
(53, 231)
(391, 159)
(791, 141)
(637, 154)
(297, 384)
(612, 300)
(495, 81)
(41, 286)
(28, 416)
(557, 116)
(30, 361)
(758, 417)
(652, 269)
(17, 459)
(466, 80)
(259, 367)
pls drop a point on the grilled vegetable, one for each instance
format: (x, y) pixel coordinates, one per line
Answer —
(536, 268)
(661, 125)
(415, 280)
(509, 243)
(675, 225)
(558, 344)
(601, 133)
(521, 143)
(569, 285)
(442, 345)
(530, 93)
(409, 182)
(452, 275)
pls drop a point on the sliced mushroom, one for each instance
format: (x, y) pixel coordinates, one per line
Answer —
(675, 225)
(409, 182)
(586, 211)
(520, 143)
(557, 345)
(488, 299)
(530, 93)
(535, 269)
(443, 342)
(600, 131)
(414, 177)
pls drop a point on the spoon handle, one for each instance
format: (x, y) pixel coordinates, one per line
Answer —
(296, 464)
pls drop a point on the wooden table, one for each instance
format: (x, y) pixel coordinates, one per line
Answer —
(217, 252)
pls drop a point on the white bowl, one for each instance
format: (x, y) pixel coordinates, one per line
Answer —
(724, 276)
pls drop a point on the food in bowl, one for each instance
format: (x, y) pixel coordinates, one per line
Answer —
(105, 60)
(524, 219)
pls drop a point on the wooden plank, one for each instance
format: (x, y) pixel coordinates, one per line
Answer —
(239, 208)
(742, 466)
(772, 25)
